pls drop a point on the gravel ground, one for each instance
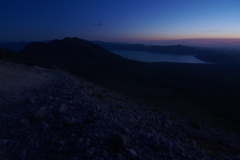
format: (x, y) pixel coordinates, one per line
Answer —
(17, 81)
(48, 114)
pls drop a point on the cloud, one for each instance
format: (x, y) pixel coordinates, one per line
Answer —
(99, 23)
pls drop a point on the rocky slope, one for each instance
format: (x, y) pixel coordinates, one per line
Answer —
(49, 114)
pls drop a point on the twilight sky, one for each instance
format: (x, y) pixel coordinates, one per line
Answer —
(191, 22)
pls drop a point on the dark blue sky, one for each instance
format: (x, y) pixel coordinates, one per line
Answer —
(205, 22)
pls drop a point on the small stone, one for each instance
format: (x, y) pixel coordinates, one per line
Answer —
(62, 108)
(70, 102)
(96, 135)
(24, 153)
(45, 126)
(237, 157)
(89, 152)
(24, 121)
(153, 142)
(3, 142)
(57, 148)
(87, 140)
(32, 100)
(131, 154)
(118, 142)
(40, 113)
(146, 136)
(50, 107)
(98, 158)
(104, 154)
(178, 148)
(80, 140)
(118, 156)
(167, 145)
(68, 120)
(89, 120)
(194, 144)
(126, 130)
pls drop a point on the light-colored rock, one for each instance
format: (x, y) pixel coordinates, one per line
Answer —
(118, 141)
(3, 142)
(131, 154)
(89, 152)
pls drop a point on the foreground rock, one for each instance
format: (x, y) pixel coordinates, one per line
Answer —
(73, 119)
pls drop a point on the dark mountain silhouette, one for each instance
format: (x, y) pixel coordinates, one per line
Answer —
(207, 92)
(2, 53)
(69, 49)
(75, 55)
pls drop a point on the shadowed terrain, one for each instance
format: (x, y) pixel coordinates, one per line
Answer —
(206, 92)
(45, 113)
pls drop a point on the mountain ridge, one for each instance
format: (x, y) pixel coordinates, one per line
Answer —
(208, 55)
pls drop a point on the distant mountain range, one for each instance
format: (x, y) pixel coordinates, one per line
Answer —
(14, 46)
(198, 90)
(208, 55)
(174, 49)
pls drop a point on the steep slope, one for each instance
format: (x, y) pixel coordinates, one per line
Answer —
(77, 56)
(57, 116)
(72, 50)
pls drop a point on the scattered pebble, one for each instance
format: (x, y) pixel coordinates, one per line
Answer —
(74, 119)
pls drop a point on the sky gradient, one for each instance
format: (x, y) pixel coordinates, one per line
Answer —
(193, 22)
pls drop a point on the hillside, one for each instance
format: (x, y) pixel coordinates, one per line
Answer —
(206, 92)
(49, 114)
(76, 56)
